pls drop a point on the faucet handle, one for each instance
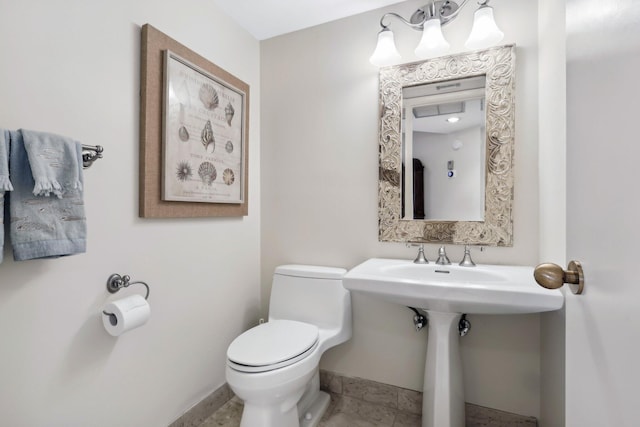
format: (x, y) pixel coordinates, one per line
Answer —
(443, 259)
(420, 259)
(467, 261)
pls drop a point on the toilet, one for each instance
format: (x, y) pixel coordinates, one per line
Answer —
(273, 367)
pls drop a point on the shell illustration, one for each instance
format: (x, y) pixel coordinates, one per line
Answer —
(208, 141)
(209, 96)
(183, 171)
(228, 113)
(207, 173)
(183, 133)
(228, 176)
(229, 147)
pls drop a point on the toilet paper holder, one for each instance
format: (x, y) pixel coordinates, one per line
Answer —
(117, 282)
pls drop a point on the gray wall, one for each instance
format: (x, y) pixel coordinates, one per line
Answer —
(319, 189)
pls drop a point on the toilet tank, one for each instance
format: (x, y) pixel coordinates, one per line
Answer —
(312, 294)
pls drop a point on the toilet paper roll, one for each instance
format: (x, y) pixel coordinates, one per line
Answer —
(127, 314)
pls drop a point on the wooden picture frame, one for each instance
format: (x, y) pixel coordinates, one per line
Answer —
(154, 45)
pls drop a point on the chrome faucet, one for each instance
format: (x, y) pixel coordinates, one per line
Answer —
(443, 259)
(467, 261)
(421, 259)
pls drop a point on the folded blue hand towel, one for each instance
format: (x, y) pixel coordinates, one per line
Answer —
(5, 184)
(43, 227)
(54, 166)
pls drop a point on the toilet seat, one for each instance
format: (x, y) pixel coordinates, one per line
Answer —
(272, 345)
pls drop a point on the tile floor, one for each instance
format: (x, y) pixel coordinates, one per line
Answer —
(343, 411)
(355, 402)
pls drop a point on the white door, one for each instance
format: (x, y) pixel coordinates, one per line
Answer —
(603, 212)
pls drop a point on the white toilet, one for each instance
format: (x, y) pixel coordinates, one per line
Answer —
(273, 367)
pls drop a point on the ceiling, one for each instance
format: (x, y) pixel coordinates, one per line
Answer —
(269, 18)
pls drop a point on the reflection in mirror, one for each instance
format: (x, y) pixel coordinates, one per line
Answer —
(458, 177)
(443, 133)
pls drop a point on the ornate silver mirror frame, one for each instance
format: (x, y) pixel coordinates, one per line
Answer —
(498, 65)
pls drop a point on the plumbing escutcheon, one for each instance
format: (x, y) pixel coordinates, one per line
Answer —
(419, 321)
(464, 325)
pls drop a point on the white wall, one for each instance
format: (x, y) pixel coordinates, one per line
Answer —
(319, 187)
(553, 209)
(72, 68)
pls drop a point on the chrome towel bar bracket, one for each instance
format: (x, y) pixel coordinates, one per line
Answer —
(90, 153)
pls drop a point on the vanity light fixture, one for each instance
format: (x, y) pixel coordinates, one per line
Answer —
(453, 119)
(429, 19)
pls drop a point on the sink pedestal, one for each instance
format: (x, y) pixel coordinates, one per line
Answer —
(443, 397)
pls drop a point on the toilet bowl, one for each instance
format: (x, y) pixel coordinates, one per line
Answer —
(273, 367)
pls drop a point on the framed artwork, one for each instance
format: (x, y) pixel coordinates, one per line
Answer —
(194, 127)
(202, 135)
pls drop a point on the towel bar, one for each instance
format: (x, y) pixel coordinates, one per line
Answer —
(90, 153)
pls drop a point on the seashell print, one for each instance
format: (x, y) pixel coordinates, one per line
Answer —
(208, 141)
(228, 113)
(209, 97)
(207, 173)
(183, 133)
(183, 171)
(229, 147)
(228, 176)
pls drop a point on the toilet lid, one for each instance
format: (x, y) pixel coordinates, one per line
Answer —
(278, 342)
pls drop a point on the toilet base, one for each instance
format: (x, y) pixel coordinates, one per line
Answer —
(269, 416)
(266, 416)
(313, 415)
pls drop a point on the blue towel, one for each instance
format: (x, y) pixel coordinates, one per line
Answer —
(43, 227)
(54, 166)
(5, 184)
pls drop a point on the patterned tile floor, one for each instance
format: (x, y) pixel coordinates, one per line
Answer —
(343, 411)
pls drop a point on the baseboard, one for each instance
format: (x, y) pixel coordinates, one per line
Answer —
(205, 408)
(410, 401)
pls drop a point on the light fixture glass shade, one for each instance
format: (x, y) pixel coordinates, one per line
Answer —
(432, 43)
(485, 32)
(386, 52)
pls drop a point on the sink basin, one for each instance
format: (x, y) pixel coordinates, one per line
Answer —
(484, 289)
(445, 292)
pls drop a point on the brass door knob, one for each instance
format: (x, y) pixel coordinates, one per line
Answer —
(552, 276)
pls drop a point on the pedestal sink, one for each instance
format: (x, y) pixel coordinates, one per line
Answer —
(446, 292)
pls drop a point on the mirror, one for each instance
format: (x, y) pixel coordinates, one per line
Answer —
(446, 149)
(443, 144)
